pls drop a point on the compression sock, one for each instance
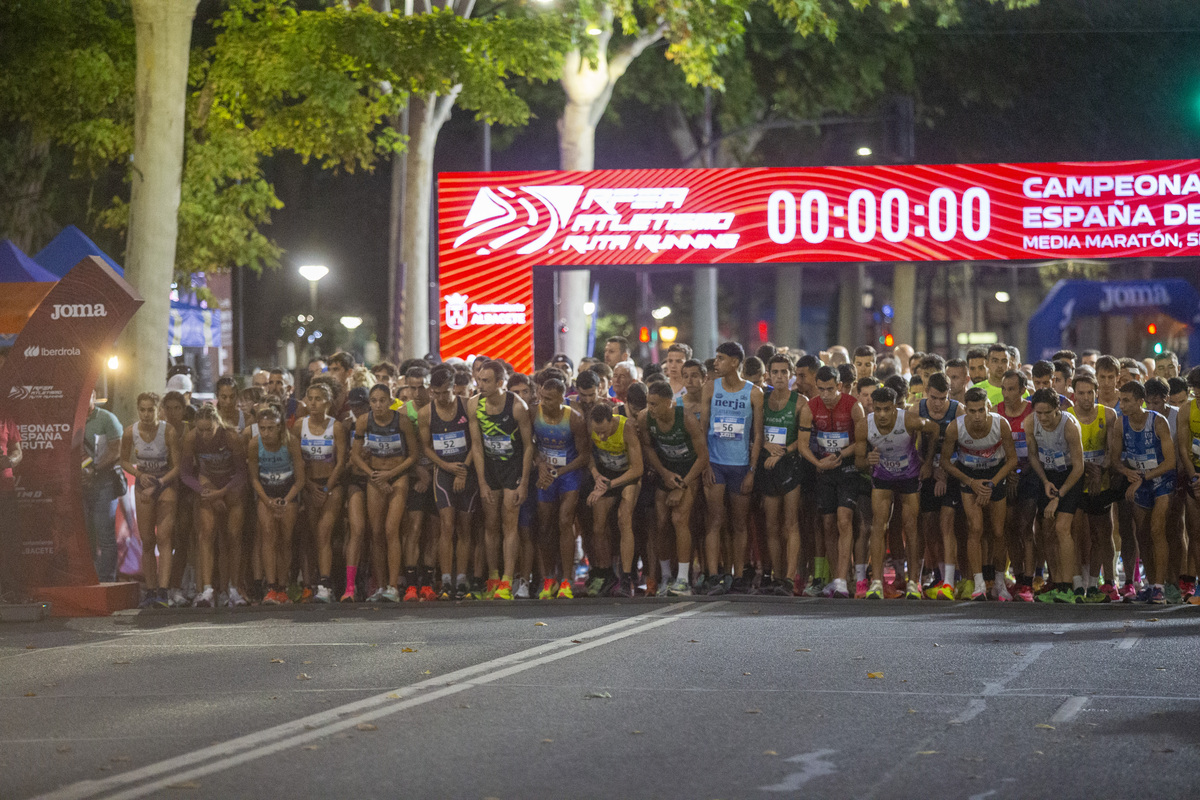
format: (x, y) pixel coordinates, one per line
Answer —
(351, 576)
(410, 576)
(948, 574)
(683, 571)
(860, 572)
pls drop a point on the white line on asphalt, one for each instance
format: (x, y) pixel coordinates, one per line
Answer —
(1172, 609)
(1069, 709)
(317, 726)
(992, 689)
(262, 645)
(1129, 642)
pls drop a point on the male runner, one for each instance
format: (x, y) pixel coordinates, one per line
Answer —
(617, 472)
(940, 497)
(563, 455)
(956, 375)
(977, 365)
(1043, 378)
(864, 361)
(1024, 490)
(997, 364)
(677, 354)
(694, 378)
(731, 415)
(1056, 457)
(979, 452)
(1095, 421)
(778, 479)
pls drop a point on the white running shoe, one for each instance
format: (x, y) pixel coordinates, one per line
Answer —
(390, 595)
(204, 599)
(522, 592)
(178, 599)
(377, 597)
(235, 598)
(1001, 591)
(323, 595)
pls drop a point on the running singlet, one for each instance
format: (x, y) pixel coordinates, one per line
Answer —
(986, 452)
(1095, 442)
(410, 408)
(1017, 425)
(780, 427)
(151, 457)
(833, 429)
(1052, 445)
(384, 441)
(612, 454)
(1172, 419)
(555, 441)
(943, 423)
(1194, 429)
(995, 393)
(450, 438)
(500, 440)
(317, 447)
(214, 462)
(1142, 450)
(275, 470)
(730, 420)
(897, 452)
(673, 445)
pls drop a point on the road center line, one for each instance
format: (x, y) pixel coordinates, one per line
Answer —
(1069, 709)
(994, 688)
(1129, 642)
(316, 726)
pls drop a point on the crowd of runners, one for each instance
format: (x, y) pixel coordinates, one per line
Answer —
(848, 475)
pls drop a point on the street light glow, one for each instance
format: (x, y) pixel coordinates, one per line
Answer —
(589, 308)
(667, 334)
(661, 313)
(113, 363)
(595, 31)
(1003, 297)
(313, 272)
(864, 151)
(350, 323)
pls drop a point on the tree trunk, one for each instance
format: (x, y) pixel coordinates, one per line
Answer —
(426, 115)
(26, 219)
(164, 35)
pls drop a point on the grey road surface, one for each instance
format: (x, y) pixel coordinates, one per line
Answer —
(738, 698)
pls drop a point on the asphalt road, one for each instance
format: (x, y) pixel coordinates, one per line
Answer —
(735, 698)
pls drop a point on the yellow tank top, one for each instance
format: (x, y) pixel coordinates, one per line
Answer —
(1194, 429)
(1095, 440)
(612, 454)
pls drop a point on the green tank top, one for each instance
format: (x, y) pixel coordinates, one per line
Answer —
(673, 445)
(780, 427)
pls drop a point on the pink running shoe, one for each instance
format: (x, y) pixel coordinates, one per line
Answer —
(860, 589)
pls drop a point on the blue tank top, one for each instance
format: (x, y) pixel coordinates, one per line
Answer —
(275, 470)
(729, 426)
(1141, 450)
(555, 442)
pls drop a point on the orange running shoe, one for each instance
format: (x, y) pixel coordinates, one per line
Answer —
(503, 591)
(410, 594)
(427, 593)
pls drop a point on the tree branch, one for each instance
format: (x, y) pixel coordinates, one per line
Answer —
(617, 65)
(443, 107)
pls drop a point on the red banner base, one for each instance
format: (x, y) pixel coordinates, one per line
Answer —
(98, 600)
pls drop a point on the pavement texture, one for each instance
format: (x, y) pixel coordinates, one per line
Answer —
(734, 698)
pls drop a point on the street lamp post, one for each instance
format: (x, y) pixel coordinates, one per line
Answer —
(313, 273)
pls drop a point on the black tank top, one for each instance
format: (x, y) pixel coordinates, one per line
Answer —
(385, 441)
(451, 440)
(500, 441)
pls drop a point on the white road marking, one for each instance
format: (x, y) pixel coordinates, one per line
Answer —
(1069, 709)
(1129, 642)
(992, 689)
(317, 726)
(1172, 609)
(814, 766)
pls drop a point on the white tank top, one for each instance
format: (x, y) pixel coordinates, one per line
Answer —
(1052, 445)
(897, 453)
(983, 453)
(317, 447)
(151, 457)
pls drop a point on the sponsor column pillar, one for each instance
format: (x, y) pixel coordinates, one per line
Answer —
(704, 317)
(789, 291)
(904, 300)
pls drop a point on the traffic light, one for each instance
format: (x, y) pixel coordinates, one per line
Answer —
(644, 335)
(889, 340)
(1151, 329)
(1158, 348)
(764, 333)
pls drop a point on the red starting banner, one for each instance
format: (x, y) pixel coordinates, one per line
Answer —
(494, 228)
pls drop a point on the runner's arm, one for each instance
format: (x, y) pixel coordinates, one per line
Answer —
(700, 445)
(1075, 450)
(1164, 435)
(1035, 461)
(293, 445)
(756, 429)
(1183, 440)
(1010, 452)
(583, 442)
(804, 435)
(631, 475)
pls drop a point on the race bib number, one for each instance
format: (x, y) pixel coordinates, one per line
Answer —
(1053, 460)
(450, 443)
(832, 441)
(275, 478)
(776, 435)
(733, 428)
(1019, 441)
(152, 465)
(1093, 456)
(614, 462)
(1195, 448)
(894, 466)
(498, 446)
(674, 452)
(384, 445)
(1143, 464)
(975, 461)
(555, 458)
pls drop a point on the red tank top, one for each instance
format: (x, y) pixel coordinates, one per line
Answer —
(1017, 424)
(833, 428)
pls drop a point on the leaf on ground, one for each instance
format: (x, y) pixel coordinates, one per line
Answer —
(464, 705)
(547, 741)
(927, 752)
(635, 732)
(912, 711)
(804, 650)
(1038, 753)
(874, 674)
(31, 694)
(312, 747)
(393, 696)
(31, 647)
(770, 753)
(753, 711)
(304, 676)
(1152, 619)
(278, 661)
(693, 641)
(1044, 726)
(745, 673)
(407, 650)
(184, 785)
(601, 695)
(366, 726)
(935, 644)
(577, 641)
(427, 672)
(539, 624)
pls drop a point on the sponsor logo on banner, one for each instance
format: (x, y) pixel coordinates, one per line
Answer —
(456, 311)
(34, 351)
(1133, 297)
(30, 496)
(78, 310)
(34, 393)
(39, 436)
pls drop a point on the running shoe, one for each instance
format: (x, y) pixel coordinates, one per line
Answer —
(306, 595)
(1024, 593)
(963, 588)
(861, 588)
(489, 591)
(1110, 592)
(719, 585)
(664, 588)
(235, 598)
(377, 596)
(178, 598)
(390, 595)
(785, 587)
(943, 592)
(323, 595)
(840, 590)
(427, 593)
(931, 592)
(651, 586)
(349, 596)
(740, 585)
(462, 592)
(447, 592)
(476, 589)
(503, 591)
(1194, 600)
(874, 591)
(1187, 588)
(547, 592)
(594, 585)
(912, 591)
(150, 600)
(522, 592)
(160, 599)
(606, 588)
(1039, 583)
(1172, 594)
(1128, 593)
(272, 598)
(1000, 592)
(411, 595)
(1094, 595)
(624, 587)
(1146, 594)
(204, 599)
(564, 591)
(1157, 596)
(814, 588)
(1048, 596)
(699, 581)
(223, 598)
(679, 589)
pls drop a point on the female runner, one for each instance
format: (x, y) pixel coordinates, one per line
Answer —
(323, 447)
(277, 476)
